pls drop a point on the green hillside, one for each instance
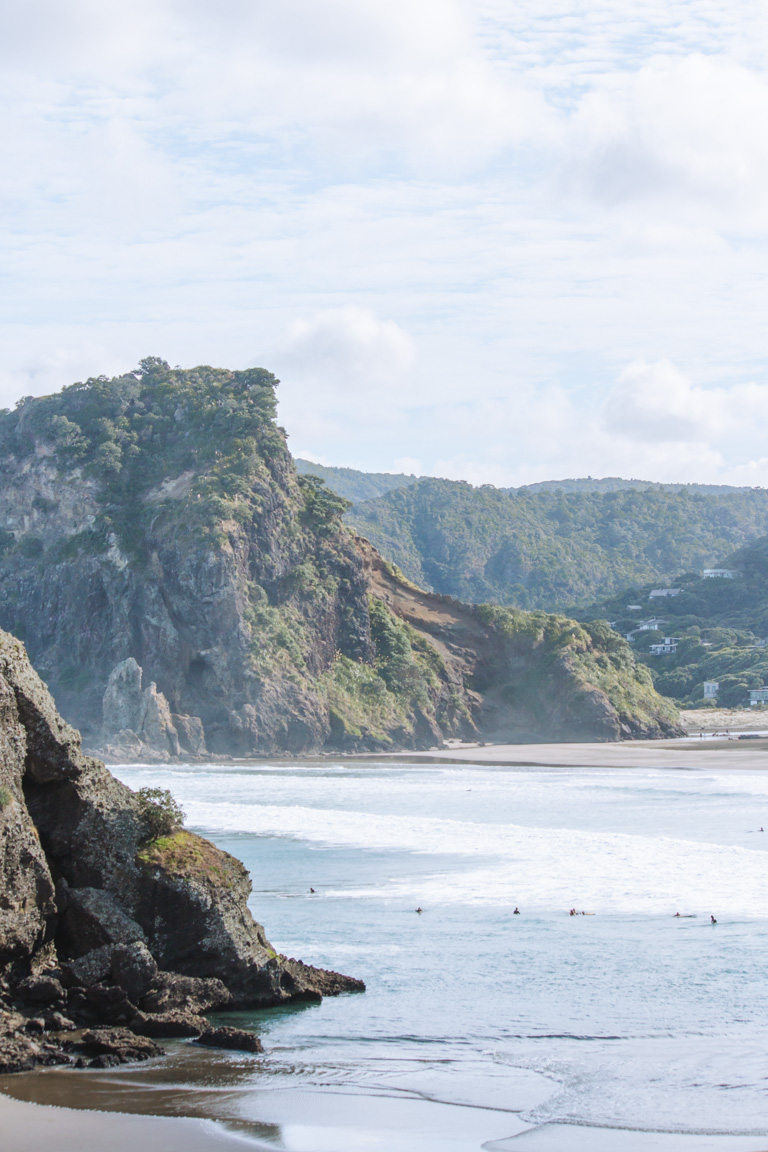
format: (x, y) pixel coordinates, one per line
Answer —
(721, 625)
(354, 485)
(553, 549)
(182, 589)
(617, 484)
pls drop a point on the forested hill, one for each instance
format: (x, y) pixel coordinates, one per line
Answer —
(616, 484)
(357, 486)
(184, 592)
(554, 549)
(353, 485)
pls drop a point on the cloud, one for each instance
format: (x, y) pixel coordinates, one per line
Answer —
(347, 348)
(446, 224)
(689, 130)
(656, 402)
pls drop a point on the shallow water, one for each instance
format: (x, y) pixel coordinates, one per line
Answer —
(626, 1029)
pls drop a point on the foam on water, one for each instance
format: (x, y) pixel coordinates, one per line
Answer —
(628, 1019)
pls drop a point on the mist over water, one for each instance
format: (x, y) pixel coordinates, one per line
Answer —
(545, 1028)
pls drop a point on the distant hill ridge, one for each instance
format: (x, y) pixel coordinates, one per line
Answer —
(357, 486)
(353, 485)
(557, 545)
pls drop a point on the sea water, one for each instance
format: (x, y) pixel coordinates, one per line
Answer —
(625, 1028)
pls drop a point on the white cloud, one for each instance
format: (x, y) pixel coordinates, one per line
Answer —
(480, 211)
(656, 402)
(345, 348)
(688, 131)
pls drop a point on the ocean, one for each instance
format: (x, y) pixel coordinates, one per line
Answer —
(626, 1028)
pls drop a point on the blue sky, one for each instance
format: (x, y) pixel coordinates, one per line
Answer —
(490, 240)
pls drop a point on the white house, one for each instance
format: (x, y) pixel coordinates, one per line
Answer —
(666, 648)
(719, 574)
(758, 696)
(664, 592)
(711, 689)
(652, 625)
(634, 607)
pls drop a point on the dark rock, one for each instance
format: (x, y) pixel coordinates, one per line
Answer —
(121, 905)
(40, 990)
(17, 1054)
(120, 1043)
(133, 969)
(303, 981)
(234, 1038)
(88, 969)
(191, 733)
(77, 1003)
(106, 1060)
(35, 1024)
(166, 1024)
(56, 1022)
(26, 887)
(109, 1004)
(186, 993)
(94, 918)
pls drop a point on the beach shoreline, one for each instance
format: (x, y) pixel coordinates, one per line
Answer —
(685, 752)
(29, 1127)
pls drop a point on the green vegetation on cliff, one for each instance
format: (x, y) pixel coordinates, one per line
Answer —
(157, 520)
(554, 549)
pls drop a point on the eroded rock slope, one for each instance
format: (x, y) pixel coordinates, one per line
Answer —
(184, 592)
(102, 927)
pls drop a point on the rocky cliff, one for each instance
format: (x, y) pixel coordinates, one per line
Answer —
(110, 936)
(184, 592)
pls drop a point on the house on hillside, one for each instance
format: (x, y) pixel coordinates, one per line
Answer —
(711, 688)
(652, 625)
(666, 647)
(758, 696)
(719, 574)
(664, 592)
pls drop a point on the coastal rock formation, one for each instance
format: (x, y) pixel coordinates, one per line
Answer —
(154, 531)
(102, 927)
(138, 722)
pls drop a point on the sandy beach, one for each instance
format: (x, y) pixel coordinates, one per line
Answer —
(689, 752)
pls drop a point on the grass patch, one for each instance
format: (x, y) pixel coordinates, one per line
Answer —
(188, 857)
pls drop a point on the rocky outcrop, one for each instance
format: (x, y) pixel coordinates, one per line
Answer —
(101, 928)
(138, 723)
(153, 530)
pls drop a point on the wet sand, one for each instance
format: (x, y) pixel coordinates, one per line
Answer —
(37, 1128)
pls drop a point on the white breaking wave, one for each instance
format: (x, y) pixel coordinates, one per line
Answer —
(545, 868)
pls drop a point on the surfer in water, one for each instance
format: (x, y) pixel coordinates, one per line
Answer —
(712, 919)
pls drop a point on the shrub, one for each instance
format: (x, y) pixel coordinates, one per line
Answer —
(159, 811)
(5, 797)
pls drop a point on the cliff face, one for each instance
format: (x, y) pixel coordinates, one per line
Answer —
(182, 590)
(99, 923)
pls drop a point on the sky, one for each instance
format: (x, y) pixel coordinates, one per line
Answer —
(493, 240)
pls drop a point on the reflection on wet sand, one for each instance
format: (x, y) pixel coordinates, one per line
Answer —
(191, 1081)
